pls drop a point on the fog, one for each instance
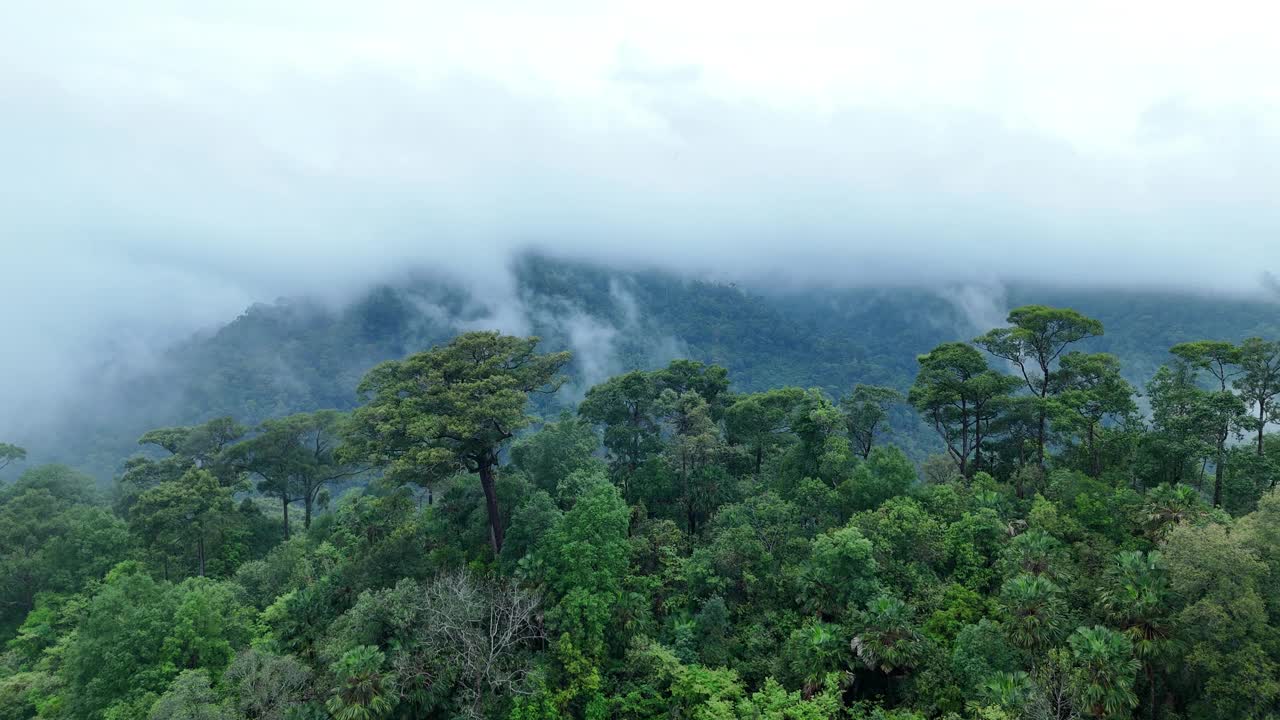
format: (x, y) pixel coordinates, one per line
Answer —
(165, 164)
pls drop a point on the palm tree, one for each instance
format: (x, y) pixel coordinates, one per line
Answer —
(1170, 505)
(888, 642)
(1135, 598)
(1102, 680)
(363, 692)
(1034, 609)
(1035, 552)
(1007, 691)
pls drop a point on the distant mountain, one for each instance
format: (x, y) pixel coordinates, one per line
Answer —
(295, 355)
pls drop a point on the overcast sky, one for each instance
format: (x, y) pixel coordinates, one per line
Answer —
(164, 163)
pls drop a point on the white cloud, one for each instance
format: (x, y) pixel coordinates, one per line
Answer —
(165, 163)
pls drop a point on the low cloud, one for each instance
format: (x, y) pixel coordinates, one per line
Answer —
(166, 166)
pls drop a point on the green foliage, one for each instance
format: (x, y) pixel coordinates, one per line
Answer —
(1104, 672)
(190, 697)
(363, 691)
(452, 408)
(675, 549)
(11, 454)
(584, 559)
(841, 572)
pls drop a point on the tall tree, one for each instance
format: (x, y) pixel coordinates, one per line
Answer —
(694, 445)
(760, 421)
(867, 410)
(711, 382)
(296, 457)
(1037, 336)
(1192, 424)
(182, 516)
(1136, 596)
(957, 393)
(1259, 381)
(1090, 391)
(1221, 359)
(1104, 670)
(626, 407)
(11, 454)
(453, 408)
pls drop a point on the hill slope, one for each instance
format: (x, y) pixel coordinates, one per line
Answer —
(296, 355)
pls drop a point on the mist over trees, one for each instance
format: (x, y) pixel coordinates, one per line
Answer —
(673, 546)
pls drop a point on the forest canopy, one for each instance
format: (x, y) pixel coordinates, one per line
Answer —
(672, 546)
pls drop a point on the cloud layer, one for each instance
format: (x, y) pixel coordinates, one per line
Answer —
(165, 164)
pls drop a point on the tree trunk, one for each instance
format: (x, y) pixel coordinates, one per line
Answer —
(1040, 436)
(491, 505)
(1151, 691)
(1218, 471)
(284, 507)
(306, 511)
(1093, 457)
(977, 442)
(1262, 425)
(200, 553)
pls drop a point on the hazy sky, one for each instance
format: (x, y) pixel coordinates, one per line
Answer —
(164, 163)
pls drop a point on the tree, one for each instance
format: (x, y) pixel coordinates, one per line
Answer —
(296, 458)
(182, 515)
(1037, 337)
(364, 691)
(11, 454)
(841, 572)
(265, 686)
(823, 451)
(958, 394)
(201, 444)
(1168, 506)
(52, 538)
(1221, 360)
(1136, 597)
(1186, 418)
(1091, 390)
(1034, 612)
(1259, 381)
(453, 408)
(761, 421)
(1104, 670)
(584, 559)
(190, 697)
(116, 655)
(473, 633)
(556, 450)
(711, 382)
(694, 446)
(888, 641)
(867, 409)
(626, 407)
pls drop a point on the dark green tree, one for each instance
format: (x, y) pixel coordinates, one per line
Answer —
(1259, 382)
(958, 393)
(451, 408)
(626, 407)
(867, 411)
(761, 422)
(11, 454)
(296, 458)
(1091, 391)
(1037, 336)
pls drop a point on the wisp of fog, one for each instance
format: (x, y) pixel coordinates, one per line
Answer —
(167, 164)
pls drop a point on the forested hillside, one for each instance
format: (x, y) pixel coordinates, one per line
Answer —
(299, 355)
(489, 525)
